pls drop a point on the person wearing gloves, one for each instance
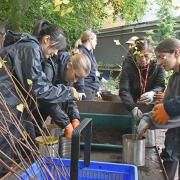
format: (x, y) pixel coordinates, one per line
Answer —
(65, 69)
(88, 87)
(141, 77)
(166, 114)
(21, 63)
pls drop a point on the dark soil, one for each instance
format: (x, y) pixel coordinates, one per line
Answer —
(109, 136)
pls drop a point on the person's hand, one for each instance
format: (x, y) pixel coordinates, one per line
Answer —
(75, 123)
(142, 128)
(81, 96)
(159, 114)
(159, 96)
(98, 94)
(75, 93)
(147, 97)
(68, 131)
(137, 114)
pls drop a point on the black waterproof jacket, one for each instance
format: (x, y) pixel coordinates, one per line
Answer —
(130, 90)
(61, 113)
(24, 60)
(91, 82)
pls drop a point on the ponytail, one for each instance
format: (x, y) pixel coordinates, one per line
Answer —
(78, 43)
(40, 24)
(44, 27)
(84, 38)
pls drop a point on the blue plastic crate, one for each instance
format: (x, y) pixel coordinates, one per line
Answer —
(96, 170)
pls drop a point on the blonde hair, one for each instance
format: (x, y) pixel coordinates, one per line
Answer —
(85, 37)
(80, 61)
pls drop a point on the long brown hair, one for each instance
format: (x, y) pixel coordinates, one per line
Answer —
(168, 45)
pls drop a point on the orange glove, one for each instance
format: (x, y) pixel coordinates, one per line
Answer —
(68, 131)
(160, 115)
(75, 123)
(159, 96)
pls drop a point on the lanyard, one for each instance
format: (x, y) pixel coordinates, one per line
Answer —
(143, 82)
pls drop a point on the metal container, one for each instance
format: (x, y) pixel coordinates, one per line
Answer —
(64, 147)
(48, 145)
(133, 150)
(64, 143)
(150, 138)
(54, 130)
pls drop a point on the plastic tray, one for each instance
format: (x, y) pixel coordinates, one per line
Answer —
(96, 170)
(75, 169)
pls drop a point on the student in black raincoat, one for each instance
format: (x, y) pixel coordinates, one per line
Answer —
(21, 72)
(141, 77)
(166, 114)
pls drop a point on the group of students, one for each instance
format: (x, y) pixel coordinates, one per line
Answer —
(35, 70)
(142, 81)
(38, 75)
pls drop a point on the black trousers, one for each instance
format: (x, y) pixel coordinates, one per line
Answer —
(171, 153)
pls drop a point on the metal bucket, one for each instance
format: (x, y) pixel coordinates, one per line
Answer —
(64, 143)
(48, 145)
(54, 130)
(133, 150)
(150, 138)
(64, 147)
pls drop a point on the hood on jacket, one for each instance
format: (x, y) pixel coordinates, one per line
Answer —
(13, 37)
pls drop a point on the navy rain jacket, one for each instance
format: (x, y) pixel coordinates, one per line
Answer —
(91, 82)
(61, 113)
(24, 60)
